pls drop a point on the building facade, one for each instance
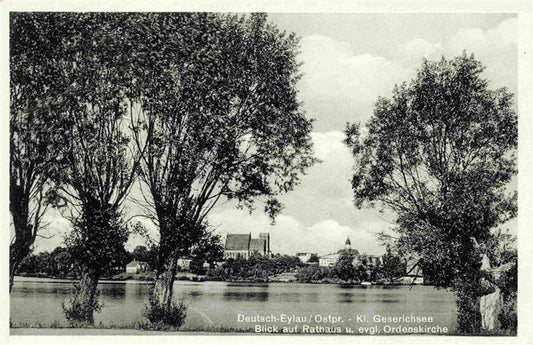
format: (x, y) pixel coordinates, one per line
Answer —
(244, 246)
(331, 259)
(328, 260)
(137, 266)
(305, 257)
(184, 263)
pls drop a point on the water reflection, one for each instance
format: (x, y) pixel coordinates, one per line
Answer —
(195, 294)
(311, 297)
(260, 296)
(292, 297)
(39, 289)
(114, 292)
(345, 297)
(389, 300)
(235, 284)
(219, 303)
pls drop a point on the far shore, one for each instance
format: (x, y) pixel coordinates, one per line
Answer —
(134, 280)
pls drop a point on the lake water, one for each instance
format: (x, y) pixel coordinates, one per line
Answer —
(219, 304)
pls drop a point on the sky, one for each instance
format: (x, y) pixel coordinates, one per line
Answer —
(349, 60)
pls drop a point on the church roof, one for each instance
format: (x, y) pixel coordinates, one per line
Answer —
(258, 244)
(237, 242)
(351, 251)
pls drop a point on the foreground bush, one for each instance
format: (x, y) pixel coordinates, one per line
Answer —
(77, 310)
(165, 318)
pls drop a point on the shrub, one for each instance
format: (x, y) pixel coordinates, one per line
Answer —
(79, 311)
(509, 284)
(165, 318)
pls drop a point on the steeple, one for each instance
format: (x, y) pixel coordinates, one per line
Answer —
(347, 245)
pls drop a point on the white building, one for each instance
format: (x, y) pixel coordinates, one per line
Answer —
(328, 260)
(305, 257)
(331, 259)
(137, 266)
(184, 263)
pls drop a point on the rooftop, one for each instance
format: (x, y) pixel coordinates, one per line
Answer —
(238, 241)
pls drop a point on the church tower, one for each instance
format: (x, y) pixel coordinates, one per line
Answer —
(348, 245)
(266, 237)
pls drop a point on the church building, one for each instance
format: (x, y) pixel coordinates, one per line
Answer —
(244, 246)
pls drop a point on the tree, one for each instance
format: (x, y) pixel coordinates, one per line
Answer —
(209, 249)
(140, 253)
(440, 154)
(197, 266)
(32, 131)
(313, 259)
(362, 272)
(344, 267)
(96, 166)
(392, 267)
(219, 119)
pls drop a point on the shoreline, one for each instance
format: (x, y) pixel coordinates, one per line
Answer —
(201, 280)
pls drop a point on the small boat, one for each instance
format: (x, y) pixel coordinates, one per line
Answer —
(366, 283)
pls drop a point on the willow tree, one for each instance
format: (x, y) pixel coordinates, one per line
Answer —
(440, 153)
(33, 131)
(218, 114)
(95, 165)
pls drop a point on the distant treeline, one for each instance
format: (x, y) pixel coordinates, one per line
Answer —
(60, 263)
(259, 268)
(391, 268)
(254, 268)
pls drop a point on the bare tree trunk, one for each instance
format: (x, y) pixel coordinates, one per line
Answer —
(13, 265)
(84, 300)
(164, 284)
(17, 252)
(162, 312)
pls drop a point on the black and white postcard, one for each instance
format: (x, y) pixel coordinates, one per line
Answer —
(314, 171)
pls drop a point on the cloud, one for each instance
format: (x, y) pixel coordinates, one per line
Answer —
(495, 48)
(413, 51)
(331, 178)
(53, 234)
(338, 86)
(328, 144)
(319, 214)
(489, 42)
(325, 192)
(289, 236)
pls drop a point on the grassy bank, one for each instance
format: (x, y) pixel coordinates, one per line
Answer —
(62, 328)
(138, 325)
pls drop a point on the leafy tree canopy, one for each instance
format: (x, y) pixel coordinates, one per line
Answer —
(440, 153)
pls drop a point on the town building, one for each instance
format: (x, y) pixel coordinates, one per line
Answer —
(137, 267)
(328, 260)
(305, 257)
(244, 246)
(184, 263)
